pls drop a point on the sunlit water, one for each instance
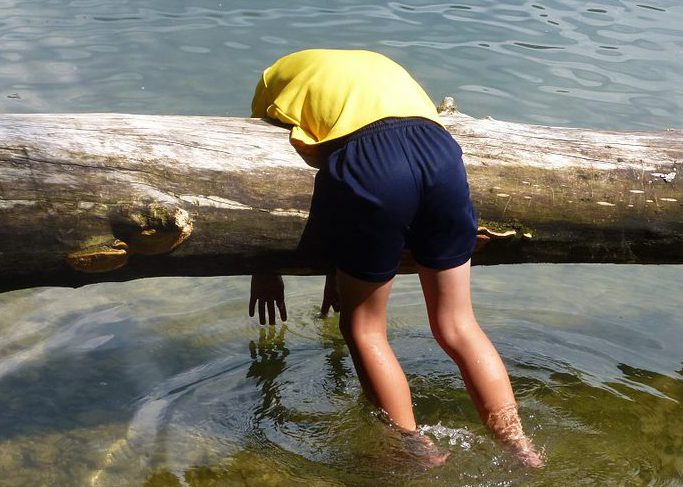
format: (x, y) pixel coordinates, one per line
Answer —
(614, 63)
(167, 382)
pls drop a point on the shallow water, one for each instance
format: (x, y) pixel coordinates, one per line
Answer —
(167, 382)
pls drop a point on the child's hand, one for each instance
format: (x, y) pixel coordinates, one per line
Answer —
(330, 295)
(267, 290)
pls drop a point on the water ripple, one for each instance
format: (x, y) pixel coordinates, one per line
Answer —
(449, 46)
(168, 379)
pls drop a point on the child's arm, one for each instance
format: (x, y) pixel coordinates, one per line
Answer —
(313, 155)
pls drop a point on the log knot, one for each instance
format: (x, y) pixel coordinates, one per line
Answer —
(105, 257)
(152, 230)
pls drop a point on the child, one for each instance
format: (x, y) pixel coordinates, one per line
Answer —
(390, 176)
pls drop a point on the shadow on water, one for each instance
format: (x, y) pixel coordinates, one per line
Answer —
(94, 380)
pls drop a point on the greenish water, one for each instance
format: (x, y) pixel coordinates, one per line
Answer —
(167, 382)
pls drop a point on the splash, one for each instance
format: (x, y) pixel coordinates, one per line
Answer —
(459, 437)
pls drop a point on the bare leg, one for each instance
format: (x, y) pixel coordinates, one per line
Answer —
(363, 323)
(449, 307)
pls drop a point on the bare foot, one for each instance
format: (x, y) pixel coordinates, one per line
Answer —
(507, 427)
(527, 454)
(424, 449)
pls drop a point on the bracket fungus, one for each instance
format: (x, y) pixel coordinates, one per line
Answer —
(161, 232)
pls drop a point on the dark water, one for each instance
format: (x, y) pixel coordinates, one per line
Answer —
(167, 382)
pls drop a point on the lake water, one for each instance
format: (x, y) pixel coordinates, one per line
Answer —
(167, 382)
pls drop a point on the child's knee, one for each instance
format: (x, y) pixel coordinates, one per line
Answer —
(456, 334)
(362, 334)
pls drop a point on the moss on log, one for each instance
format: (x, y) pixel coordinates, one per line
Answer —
(104, 197)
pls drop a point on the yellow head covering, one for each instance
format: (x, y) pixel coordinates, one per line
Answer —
(328, 93)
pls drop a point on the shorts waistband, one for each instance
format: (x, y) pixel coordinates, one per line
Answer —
(389, 123)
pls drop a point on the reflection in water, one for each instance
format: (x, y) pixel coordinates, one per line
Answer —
(338, 372)
(268, 362)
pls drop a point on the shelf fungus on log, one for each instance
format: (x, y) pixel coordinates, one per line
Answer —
(155, 231)
(484, 236)
(104, 197)
(104, 257)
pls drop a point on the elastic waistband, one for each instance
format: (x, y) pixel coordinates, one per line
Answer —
(389, 123)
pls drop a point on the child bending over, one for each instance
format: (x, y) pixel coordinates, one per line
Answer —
(390, 177)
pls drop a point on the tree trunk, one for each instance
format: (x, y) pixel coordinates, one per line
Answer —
(106, 197)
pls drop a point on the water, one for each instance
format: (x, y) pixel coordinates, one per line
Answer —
(161, 381)
(614, 63)
(167, 382)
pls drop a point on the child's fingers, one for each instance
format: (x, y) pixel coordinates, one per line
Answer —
(283, 309)
(271, 312)
(327, 304)
(324, 308)
(262, 311)
(252, 306)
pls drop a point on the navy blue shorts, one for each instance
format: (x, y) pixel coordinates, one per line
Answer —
(394, 184)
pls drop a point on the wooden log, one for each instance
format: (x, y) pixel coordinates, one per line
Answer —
(105, 197)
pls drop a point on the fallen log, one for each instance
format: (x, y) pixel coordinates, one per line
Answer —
(106, 197)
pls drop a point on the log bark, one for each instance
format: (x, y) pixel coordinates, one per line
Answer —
(105, 197)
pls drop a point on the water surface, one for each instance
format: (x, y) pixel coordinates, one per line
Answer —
(167, 382)
(609, 64)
